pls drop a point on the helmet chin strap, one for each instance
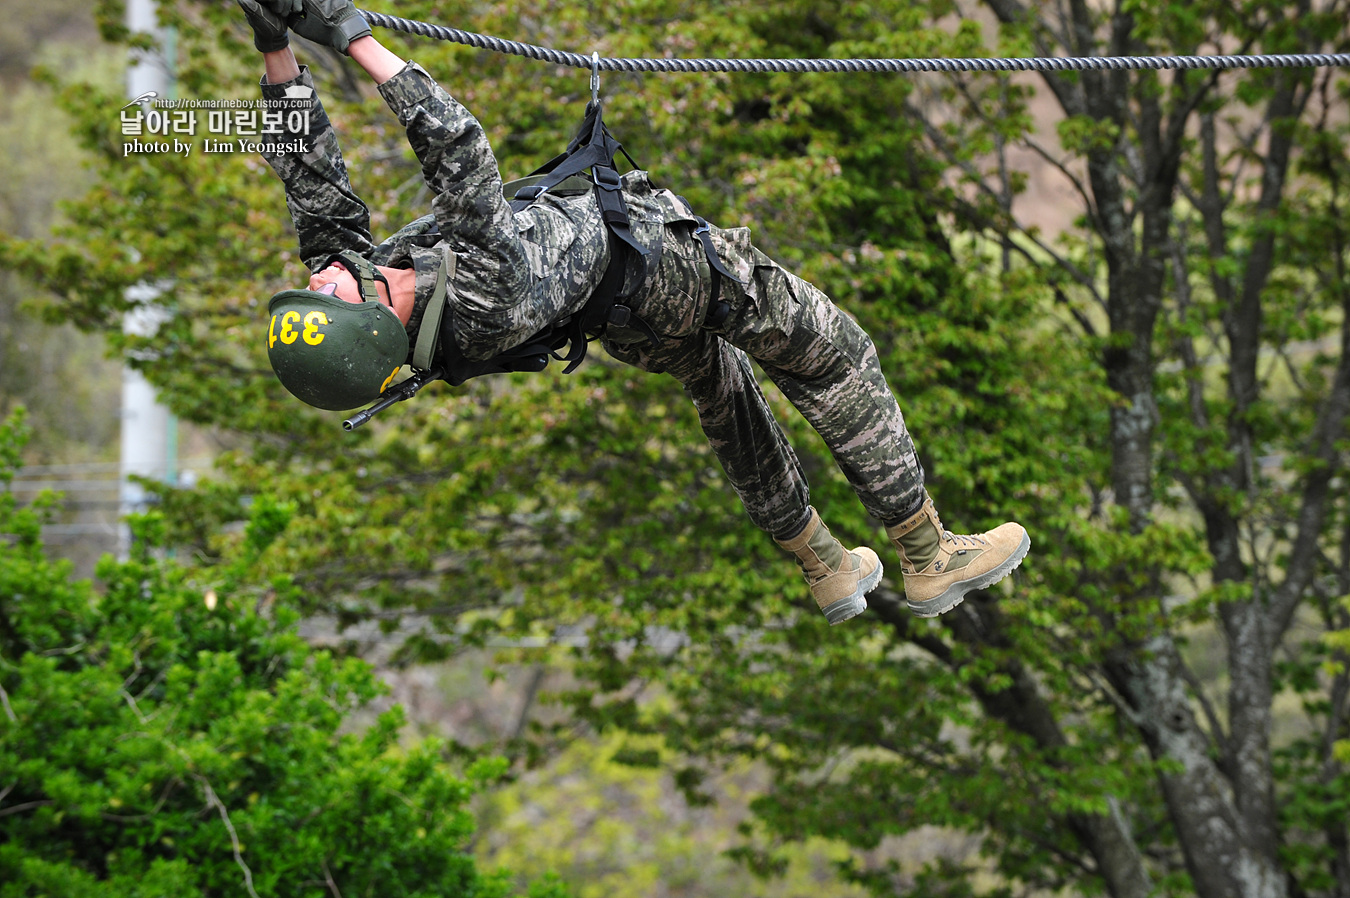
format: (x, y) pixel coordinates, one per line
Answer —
(365, 274)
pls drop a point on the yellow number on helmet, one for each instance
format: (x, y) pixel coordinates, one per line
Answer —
(384, 386)
(288, 333)
(272, 333)
(313, 336)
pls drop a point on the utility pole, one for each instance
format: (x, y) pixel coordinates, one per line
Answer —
(149, 432)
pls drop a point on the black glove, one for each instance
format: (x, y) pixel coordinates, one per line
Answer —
(269, 29)
(333, 23)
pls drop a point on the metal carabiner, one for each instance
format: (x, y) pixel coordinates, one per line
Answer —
(595, 77)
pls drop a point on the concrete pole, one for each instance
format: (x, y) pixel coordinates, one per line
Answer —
(149, 432)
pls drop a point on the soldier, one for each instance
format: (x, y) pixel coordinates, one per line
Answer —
(475, 279)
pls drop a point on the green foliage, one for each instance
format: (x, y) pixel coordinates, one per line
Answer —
(156, 743)
(58, 374)
(605, 816)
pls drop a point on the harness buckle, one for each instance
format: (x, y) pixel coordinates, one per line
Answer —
(606, 178)
(718, 312)
(620, 315)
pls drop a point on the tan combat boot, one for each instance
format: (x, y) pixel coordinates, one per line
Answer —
(940, 567)
(839, 580)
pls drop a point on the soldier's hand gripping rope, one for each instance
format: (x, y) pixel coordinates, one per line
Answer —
(333, 23)
(269, 26)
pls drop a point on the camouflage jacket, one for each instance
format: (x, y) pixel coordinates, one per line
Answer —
(516, 272)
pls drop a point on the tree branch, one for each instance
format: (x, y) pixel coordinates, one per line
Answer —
(527, 701)
(214, 801)
(4, 702)
(1327, 433)
(1081, 277)
(1079, 187)
(1065, 89)
(26, 806)
(328, 878)
(1217, 736)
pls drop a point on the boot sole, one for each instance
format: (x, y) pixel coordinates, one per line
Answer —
(841, 610)
(956, 593)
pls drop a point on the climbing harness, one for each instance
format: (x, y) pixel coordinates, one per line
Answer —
(976, 64)
(593, 150)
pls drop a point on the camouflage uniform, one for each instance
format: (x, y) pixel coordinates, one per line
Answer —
(518, 272)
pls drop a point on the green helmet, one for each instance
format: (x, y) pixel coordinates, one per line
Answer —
(332, 354)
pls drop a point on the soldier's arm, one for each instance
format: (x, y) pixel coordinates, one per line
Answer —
(496, 304)
(458, 164)
(493, 276)
(329, 217)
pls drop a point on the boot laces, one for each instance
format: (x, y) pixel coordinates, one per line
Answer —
(961, 539)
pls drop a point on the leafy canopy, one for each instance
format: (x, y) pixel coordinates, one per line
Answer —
(159, 739)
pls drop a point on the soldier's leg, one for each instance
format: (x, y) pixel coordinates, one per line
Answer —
(739, 425)
(761, 465)
(827, 367)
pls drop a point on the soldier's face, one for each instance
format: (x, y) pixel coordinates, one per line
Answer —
(338, 281)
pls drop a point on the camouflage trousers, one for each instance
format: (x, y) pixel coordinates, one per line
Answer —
(821, 360)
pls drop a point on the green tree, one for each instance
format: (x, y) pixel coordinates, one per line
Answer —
(1159, 394)
(162, 740)
(57, 373)
(1207, 277)
(603, 816)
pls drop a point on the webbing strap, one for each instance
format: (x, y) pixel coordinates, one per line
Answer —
(429, 334)
(718, 309)
(614, 212)
(576, 185)
(363, 271)
(704, 233)
(594, 148)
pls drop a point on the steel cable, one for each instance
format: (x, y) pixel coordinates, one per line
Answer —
(975, 64)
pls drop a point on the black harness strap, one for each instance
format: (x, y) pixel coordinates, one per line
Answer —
(595, 148)
(718, 308)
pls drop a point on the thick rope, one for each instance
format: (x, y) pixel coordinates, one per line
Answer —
(1029, 64)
